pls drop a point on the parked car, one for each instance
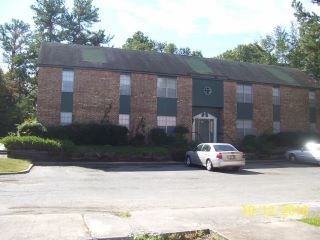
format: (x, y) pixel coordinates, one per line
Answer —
(310, 153)
(215, 155)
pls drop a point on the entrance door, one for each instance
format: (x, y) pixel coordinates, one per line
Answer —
(204, 128)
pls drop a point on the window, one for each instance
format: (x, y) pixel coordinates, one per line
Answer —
(244, 127)
(276, 127)
(313, 127)
(244, 93)
(276, 96)
(199, 147)
(206, 148)
(312, 99)
(65, 118)
(125, 84)
(167, 87)
(167, 123)
(124, 120)
(67, 81)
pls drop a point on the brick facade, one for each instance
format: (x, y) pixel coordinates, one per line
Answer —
(49, 96)
(143, 100)
(262, 109)
(229, 119)
(294, 109)
(96, 96)
(184, 103)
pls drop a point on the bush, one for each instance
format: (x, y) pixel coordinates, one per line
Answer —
(138, 140)
(90, 134)
(180, 131)
(31, 128)
(36, 143)
(158, 136)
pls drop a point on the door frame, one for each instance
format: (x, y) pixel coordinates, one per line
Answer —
(204, 116)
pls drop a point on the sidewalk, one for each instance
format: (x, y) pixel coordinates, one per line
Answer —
(229, 223)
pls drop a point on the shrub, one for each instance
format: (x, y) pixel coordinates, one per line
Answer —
(138, 140)
(36, 143)
(31, 128)
(158, 136)
(180, 131)
(249, 143)
(90, 134)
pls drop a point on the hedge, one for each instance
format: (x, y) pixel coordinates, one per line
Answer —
(36, 143)
(90, 134)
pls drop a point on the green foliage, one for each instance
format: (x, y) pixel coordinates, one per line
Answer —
(158, 136)
(315, 221)
(36, 143)
(31, 128)
(148, 237)
(265, 143)
(90, 134)
(252, 53)
(180, 131)
(139, 41)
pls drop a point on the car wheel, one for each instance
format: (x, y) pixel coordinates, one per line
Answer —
(292, 158)
(209, 165)
(188, 161)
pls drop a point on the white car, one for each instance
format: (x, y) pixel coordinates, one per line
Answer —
(216, 155)
(310, 153)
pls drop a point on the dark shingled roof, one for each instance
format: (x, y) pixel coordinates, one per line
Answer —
(78, 56)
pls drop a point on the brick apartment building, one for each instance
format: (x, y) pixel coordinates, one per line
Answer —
(216, 100)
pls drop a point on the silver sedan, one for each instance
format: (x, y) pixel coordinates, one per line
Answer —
(215, 155)
(310, 153)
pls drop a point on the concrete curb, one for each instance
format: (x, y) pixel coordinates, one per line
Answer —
(21, 172)
(215, 234)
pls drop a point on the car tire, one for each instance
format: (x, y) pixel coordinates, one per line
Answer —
(292, 158)
(209, 166)
(188, 161)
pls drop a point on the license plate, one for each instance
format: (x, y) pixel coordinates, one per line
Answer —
(231, 157)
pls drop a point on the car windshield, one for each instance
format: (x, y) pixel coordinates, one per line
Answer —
(224, 148)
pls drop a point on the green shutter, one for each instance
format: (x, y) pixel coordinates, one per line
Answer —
(166, 106)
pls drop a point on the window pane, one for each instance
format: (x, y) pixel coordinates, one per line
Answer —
(276, 127)
(239, 93)
(124, 120)
(276, 96)
(312, 98)
(67, 81)
(167, 87)
(125, 84)
(65, 118)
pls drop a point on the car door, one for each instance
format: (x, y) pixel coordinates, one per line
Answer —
(196, 154)
(205, 154)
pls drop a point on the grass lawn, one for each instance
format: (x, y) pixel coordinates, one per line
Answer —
(13, 165)
(315, 221)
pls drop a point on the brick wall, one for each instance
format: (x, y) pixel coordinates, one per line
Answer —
(262, 109)
(294, 109)
(143, 100)
(184, 103)
(94, 93)
(49, 95)
(229, 115)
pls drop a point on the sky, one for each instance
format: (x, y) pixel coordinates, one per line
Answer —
(211, 26)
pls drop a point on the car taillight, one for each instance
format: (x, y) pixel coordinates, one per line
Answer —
(219, 155)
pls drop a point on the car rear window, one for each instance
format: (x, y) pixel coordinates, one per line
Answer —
(224, 148)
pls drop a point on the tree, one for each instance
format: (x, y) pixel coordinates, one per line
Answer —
(309, 46)
(78, 24)
(49, 19)
(140, 41)
(252, 53)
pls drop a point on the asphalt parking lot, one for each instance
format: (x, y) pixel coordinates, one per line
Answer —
(101, 188)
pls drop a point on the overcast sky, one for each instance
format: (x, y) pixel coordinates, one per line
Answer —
(211, 26)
